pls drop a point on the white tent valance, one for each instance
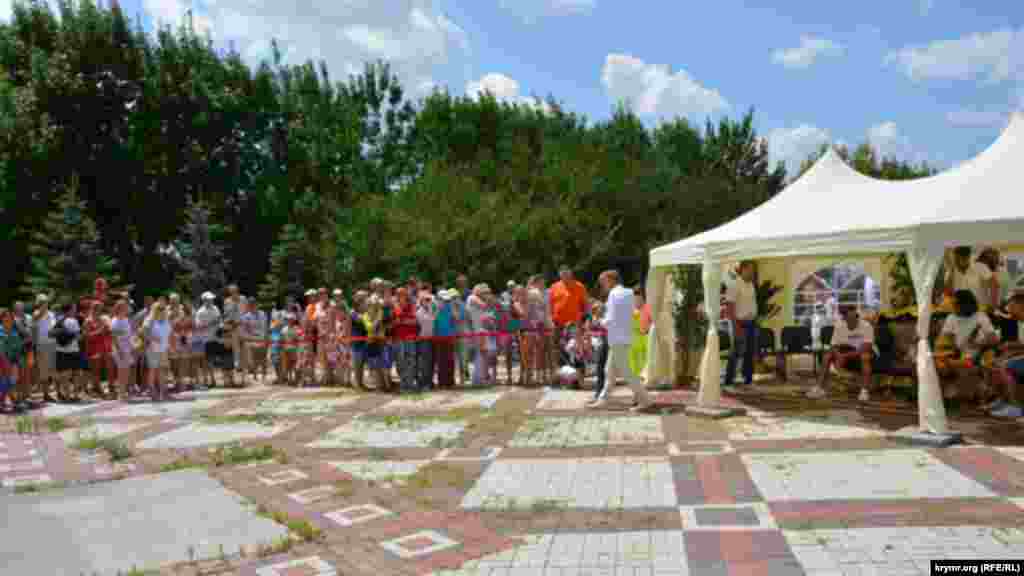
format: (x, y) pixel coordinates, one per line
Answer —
(834, 210)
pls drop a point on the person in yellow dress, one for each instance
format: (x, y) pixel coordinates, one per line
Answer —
(641, 325)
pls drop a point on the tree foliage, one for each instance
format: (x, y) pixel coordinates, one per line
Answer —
(278, 177)
(65, 252)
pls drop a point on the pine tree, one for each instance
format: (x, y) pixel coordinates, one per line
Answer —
(65, 252)
(203, 258)
(287, 263)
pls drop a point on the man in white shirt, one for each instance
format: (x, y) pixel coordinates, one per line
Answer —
(618, 322)
(254, 336)
(963, 274)
(852, 349)
(207, 320)
(741, 310)
(233, 308)
(45, 347)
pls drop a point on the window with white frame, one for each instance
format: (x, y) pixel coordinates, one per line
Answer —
(828, 288)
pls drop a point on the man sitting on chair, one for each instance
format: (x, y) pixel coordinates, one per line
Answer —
(852, 349)
(1010, 368)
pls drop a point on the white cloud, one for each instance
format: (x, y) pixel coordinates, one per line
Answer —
(973, 118)
(654, 90)
(996, 56)
(793, 145)
(809, 50)
(925, 6)
(531, 10)
(418, 40)
(890, 142)
(504, 89)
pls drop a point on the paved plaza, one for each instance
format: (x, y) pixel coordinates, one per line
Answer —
(505, 482)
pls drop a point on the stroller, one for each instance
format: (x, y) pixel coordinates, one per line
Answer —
(580, 348)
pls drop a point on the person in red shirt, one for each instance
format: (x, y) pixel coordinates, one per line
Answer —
(99, 346)
(404, 331)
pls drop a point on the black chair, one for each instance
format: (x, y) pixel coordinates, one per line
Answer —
(826, 342)
(724, 343)
(795, 340)
(765, 340)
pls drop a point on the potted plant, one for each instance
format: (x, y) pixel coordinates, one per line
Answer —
(691, 323)
(766, 310)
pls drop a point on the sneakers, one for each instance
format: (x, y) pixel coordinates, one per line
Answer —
(816, 392)
(1009, 411)
(996, 405)
(864, 395)
(596, 404)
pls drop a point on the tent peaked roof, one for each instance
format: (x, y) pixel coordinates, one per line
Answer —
(833, 209)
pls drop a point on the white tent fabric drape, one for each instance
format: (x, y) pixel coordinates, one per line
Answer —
(661, 336)
(924, 267)
(711, 364)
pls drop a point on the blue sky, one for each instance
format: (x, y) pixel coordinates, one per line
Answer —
(926, 80)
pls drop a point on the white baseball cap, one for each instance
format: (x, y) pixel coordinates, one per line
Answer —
(208, 296)
(310, 292)
(42, 298)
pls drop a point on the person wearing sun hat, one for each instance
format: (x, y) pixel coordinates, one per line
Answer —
(207, 319)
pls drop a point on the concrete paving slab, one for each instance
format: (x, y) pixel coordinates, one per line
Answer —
(588, 431)
(835, 424)
(198, 434)
(597, 483)
(297, 406)
(181, 408)
(442, 401)
(146, 522)
(856, 475)
(366, 433)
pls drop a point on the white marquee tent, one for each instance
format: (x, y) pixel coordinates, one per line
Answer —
(834, 210)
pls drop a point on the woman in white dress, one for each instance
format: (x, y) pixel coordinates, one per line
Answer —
(157, 332)
(123, 352)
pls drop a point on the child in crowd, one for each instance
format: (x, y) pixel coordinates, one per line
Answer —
(293, 347)
(344, 346)
(376, 353)
(276, 337)
(359, 336)
(12, 351)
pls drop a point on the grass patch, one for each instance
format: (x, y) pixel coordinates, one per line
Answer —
(282, 545)
(38, 487)
(235, 454)
(57, 424)
(344, 488)
(302, 529)
(138, 572)
(183, 463)
(27, 425)
(548, 505)
(262, 418)
(435, 475)
(115, 449)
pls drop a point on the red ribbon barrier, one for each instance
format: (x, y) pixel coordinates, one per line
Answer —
(391, 339)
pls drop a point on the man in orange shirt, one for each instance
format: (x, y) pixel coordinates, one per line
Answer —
(568, 307)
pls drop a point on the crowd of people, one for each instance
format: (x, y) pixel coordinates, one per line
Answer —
(383, 336)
